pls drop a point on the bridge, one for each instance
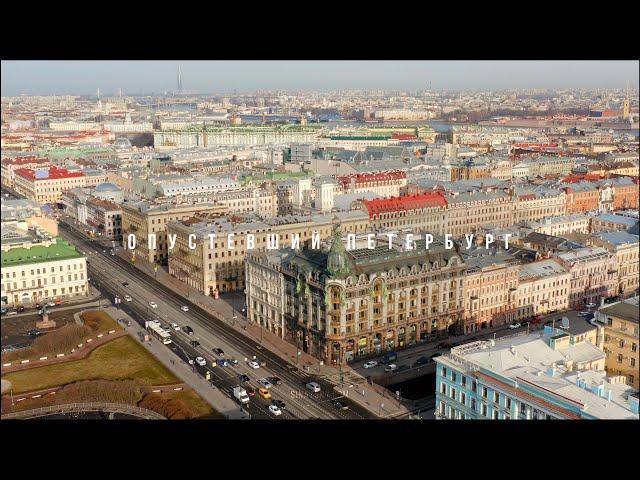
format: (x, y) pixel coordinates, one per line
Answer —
(83, 408)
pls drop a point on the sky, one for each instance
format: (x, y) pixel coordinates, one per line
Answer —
(144, 77)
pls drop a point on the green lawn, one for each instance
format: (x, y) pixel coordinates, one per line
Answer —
(122, 358)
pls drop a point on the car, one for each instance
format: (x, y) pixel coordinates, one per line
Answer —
(264, 393)
(584, 314)
(51, 304)
(250, 390)
(188, 330)
(370, 364)
(184, 308)
(195, 343)
(201, 361)
(20, 309)
(34, 333)
(233, 361)
(422, 361)
(340, 405)
(263, 382)
(12, 312)
(280, 404)
(313, 386)
(128, 298)
(175, 326)
(275, 380)
(153, 304)
(244, 378)
(253, 364)
(392, 367)
(591, 305)
(514, 326)
(125, 284)
(222, 362)
(275, 410)
(218, 351)
(3, 311)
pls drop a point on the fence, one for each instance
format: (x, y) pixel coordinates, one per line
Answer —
(85, 407)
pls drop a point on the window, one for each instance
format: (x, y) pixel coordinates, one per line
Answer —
(484, 392)
(443, 388)
(496, 397)
(473, 404)
(483, 410)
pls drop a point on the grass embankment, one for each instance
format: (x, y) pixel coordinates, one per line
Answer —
(120, 359)
(65, 338)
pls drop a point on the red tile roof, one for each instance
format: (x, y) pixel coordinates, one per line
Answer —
(400, 204)
(54, 173)
(25, 160)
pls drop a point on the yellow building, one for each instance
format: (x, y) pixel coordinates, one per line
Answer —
(621, 339)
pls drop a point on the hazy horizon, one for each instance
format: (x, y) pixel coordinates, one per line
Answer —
(146, 77)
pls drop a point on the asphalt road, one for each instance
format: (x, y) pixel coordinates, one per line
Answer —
(107, 273)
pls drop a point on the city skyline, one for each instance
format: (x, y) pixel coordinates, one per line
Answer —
(146, 77)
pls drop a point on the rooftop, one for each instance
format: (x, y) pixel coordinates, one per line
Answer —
(627, 310)
(60, 250)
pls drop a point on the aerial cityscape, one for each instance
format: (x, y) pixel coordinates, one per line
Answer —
(312, 240)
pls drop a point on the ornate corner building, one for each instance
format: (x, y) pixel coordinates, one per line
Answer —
(342, 304)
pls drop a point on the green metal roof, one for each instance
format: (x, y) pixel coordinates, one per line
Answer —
(360, 137)
(60, 250)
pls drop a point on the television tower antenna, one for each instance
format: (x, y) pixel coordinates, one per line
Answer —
(179, 79)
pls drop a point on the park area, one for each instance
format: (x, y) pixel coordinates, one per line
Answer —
(119, 371)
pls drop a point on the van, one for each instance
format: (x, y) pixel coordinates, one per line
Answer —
(313, 386)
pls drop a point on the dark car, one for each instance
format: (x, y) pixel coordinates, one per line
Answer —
(125, 284)
(250, 390)
(34, 333)
(195, 343)
(444, 345)
(218, 351)
(244, 378)
(340, 405)
(20, 309)
(188, 330)
(279, 403)
(275, 380)
(422, 361)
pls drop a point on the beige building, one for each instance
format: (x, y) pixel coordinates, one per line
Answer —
(35, 271)
(537, 204)
(542, 286)
(47, 186)
(143, 219)
(467, 213)
(625, 248)
(592, 274)
(562, 225)
(621, 339)
(10, 165)
(212, 266)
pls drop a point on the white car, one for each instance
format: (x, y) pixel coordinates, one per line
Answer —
(153, 304)
(515, 325)
(370, 364)
(275, 410)
(584, 314)
(253, 364)
(591, 305)
(313, 386)
(184, 308)
(51, 304)
(128, 298)
(391, 368)
(201, 361)
(263, 382)
(175, 326)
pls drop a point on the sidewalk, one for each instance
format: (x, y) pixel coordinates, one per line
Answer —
(220, 402)
(376, 399)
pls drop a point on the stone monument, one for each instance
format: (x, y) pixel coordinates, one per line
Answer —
(45, 322)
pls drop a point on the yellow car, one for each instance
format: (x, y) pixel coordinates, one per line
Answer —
(264, 393)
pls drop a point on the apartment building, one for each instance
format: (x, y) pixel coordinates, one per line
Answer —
(533, 204)
(10, 165)
(214, 267)
(593, 274)
(490, 287)
(582, 197)
(105, 217)
(552, 375)
(466, 213)
(422, 212)
(47, 185)
(385, 183)
(143, 219)
(625, 248)
(563, 225)
(542, 286)
(621, 339)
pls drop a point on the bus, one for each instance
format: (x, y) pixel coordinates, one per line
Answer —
(155, 329)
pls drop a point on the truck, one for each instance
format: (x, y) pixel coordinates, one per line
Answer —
(241, 395)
